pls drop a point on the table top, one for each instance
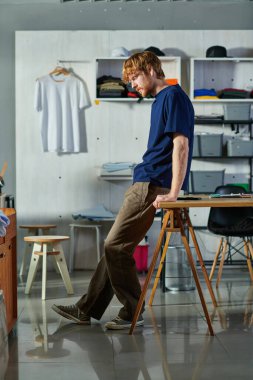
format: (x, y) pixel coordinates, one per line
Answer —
(205, 201)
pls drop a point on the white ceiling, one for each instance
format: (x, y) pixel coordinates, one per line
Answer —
(21, 2)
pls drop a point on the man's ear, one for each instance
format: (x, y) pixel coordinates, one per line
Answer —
(151, 71)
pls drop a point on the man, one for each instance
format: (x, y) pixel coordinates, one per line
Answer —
(161, 175)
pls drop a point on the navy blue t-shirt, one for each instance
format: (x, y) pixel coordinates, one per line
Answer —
(172, 112)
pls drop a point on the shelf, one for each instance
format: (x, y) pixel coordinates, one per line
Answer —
(200, 121)
(223, 101)
(132, 100)
(112, 66)
(225, 59)
(115, 178)
(220, 73)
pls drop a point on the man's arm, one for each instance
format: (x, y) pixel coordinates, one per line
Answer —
(179, 166)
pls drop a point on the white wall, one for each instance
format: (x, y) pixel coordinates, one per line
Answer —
(51, 187)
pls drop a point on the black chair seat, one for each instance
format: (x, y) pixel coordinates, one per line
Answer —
(240, 229)
(231, 222)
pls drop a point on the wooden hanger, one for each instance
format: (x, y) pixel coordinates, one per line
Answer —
(60, 70)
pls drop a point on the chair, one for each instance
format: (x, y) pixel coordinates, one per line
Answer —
(41, 249)
(231, 222)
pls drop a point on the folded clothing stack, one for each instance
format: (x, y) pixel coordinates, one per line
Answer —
(98, 212)
(131, 92)
(4, 222)
(234, 93)
(205, 93)
(117, 169)
(110, 87)
(115, 166)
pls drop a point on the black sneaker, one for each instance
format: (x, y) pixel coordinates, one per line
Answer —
(73, 313)
(120, 324)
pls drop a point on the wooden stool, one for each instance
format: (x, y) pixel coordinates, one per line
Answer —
(40, 248)
(33, 230)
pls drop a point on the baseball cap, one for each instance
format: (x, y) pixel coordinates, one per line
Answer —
(216, 52)
(155, 50)
(120, 52)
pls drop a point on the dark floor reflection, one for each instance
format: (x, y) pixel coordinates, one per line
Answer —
(173, 345)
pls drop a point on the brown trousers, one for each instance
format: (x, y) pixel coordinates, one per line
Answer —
(116, 272)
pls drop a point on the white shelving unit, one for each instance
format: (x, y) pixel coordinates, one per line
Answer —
(115, 178)
(220, 73)
(113, 66)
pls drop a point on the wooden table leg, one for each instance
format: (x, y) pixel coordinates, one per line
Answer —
(201, 261)
(217, 254)
(194, 271)
(160, 267)
(175, 215)
(150, 272)
(248, 258)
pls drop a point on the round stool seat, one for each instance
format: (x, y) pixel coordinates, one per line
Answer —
(33, 229)
(44, 246)
(38, 226)
(45, 238)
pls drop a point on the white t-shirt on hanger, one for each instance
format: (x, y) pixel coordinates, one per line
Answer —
(60, 101)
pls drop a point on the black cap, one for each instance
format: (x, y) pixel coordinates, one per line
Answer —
(155, 50)
(216, 52)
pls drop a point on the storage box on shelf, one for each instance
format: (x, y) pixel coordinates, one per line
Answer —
(219, 74)
(206, 181)
(237, 111)
(240, 148)
(239, 179)
(210, 144)
(235, 149)
(112, 66)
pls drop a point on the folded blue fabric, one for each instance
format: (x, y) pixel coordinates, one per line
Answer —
(115, 166)
(205, 92)
(4, 222)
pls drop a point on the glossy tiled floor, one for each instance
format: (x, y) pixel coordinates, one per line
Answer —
(173, 345)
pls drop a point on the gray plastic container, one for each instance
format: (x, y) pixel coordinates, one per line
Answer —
(236, 178)
(196, 151)
(239, 147)
(237, 111)
(203, 181)
(210, 144)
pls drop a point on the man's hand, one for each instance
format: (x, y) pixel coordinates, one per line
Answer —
(164, 198)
